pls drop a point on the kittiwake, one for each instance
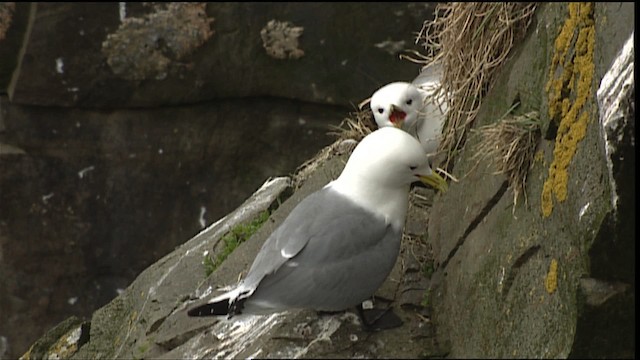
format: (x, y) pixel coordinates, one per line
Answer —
(414, 107)
(339, 244)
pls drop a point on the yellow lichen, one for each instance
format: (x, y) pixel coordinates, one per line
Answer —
(569, 89)
(547, 201)
(66, 346)
(551, 281)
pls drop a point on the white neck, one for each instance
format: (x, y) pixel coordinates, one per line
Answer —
(390, 203)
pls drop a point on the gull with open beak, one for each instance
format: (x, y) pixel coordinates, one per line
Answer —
(415, 107)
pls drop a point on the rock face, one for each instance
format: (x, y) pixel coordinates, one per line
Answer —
(78, 185)
(512, 285)
(543, 279)
(149, 319)
(136, 55)
(126, 128)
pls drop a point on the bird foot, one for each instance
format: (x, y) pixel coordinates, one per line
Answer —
(378, 319)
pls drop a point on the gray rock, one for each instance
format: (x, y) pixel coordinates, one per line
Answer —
(149, 320)
(509, 284)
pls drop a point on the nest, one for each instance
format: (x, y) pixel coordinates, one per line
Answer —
(356, 126)
(511, 144)
(470, 41)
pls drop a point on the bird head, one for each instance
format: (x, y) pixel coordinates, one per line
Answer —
(397, 104)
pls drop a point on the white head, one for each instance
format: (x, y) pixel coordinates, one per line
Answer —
(380, 170)
(397, 104)
(388, 157)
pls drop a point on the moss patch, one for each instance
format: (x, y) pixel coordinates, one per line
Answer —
(232, 239)
(568, 89)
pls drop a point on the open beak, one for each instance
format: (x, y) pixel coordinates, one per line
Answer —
(397, 117)
(435, 181)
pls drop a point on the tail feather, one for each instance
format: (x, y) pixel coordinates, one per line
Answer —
(211, 309)
(230, 304)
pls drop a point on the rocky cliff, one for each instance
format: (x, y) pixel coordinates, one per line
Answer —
(478, 276)
(126, 128)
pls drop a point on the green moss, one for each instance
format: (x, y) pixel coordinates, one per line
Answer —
(232, 239)
(426, 298)
(209, 265)
(143, 348)
(428, 268)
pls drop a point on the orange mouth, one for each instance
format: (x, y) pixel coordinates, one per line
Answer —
(397, 117)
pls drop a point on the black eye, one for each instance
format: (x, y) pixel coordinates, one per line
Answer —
(413, 167)
(409, 101)
(380, 110)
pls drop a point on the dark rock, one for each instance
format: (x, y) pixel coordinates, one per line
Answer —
(606, 324)
(79, 219)
(13, 24)
(169, 54)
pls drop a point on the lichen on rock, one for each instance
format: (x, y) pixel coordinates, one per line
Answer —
(280, 40)
(144, 48)
(551, 281)
(568, 94)
(6, 15)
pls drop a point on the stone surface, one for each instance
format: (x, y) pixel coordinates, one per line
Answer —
(88, 199)
(136, 55)
(13, 24)
(476, 278)
(606, 327)
(509, 285)
(78, 184)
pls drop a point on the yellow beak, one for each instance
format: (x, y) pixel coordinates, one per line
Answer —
(435, 181)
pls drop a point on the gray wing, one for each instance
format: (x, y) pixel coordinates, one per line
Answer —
(433, 114)
(328, 254)
(288, 239)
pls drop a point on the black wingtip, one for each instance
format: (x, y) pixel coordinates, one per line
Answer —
(213, 309)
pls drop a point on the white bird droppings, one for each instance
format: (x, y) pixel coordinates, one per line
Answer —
(583, 210)
(84, 171)
(202, 222)
(59, 66)
(122, 7)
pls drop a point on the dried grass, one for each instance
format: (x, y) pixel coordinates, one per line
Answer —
(511, 144)
(350, 131)
(471, 41)
(356, 126)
